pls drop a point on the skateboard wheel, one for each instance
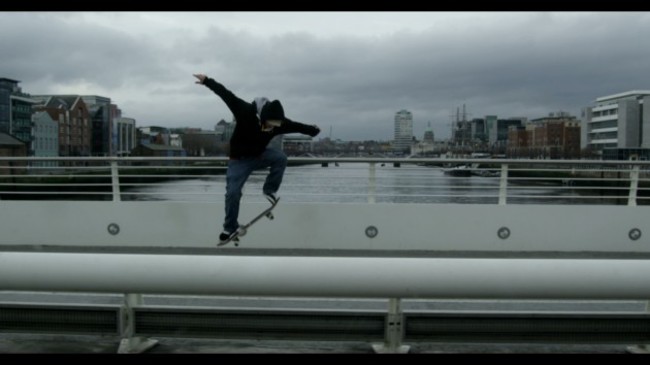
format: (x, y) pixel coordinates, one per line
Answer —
(270, 216)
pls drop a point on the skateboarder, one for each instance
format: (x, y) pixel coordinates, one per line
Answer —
(256, 124)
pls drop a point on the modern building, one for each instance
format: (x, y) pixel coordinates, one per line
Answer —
(617, 121)
(490, 125)
(497, 129)
(124, 136)
(15, 110)
(45, 141)
(428, 134)
(477, 130)
(403, 131)
(7, 87)
(102, 115)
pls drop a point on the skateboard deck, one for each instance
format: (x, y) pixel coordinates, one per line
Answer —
(241, 231)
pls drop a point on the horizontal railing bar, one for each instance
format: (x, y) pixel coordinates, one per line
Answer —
(512, 162)
(55, 184)
(366, 185)
(360, 277)
(57, 192)
(53, 176)
(327, 194)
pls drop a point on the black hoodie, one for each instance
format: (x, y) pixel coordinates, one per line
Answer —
(248, 139)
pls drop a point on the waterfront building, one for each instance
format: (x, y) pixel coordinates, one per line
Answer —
(403, 131)
(617, 121)
(15, 110)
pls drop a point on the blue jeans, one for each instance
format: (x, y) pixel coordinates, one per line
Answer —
(239, 171)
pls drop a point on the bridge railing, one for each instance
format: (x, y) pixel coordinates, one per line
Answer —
(393, 180)
(549, 264)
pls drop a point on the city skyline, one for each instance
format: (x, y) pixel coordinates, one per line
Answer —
(348, 72)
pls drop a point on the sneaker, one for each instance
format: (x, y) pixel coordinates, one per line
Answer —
(225, 235)
(272, 197)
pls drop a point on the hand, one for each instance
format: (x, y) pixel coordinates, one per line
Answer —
(316, 132)
(201, 78)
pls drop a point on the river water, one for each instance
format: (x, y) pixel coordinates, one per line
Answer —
(354, 183)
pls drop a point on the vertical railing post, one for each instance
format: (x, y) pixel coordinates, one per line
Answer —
(372, 179)
(115, 181)
(634, 184)
(131, 343)
(503, 184)
(394, 331)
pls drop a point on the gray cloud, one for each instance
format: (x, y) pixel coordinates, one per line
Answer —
(508, 64)
(46, 47)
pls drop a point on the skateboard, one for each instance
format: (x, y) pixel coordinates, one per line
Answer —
(241, 231)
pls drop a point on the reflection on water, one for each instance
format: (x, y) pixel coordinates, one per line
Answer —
(352, 183)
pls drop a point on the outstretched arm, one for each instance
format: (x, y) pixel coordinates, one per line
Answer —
(289, 126)
(231, 100)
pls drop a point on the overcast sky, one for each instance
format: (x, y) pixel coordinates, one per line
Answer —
(348, 72)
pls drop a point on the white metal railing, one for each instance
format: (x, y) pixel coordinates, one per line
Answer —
(394, 180)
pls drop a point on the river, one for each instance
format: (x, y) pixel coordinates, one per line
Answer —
(352, 183)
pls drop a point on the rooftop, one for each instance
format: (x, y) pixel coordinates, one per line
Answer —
(623, 95)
